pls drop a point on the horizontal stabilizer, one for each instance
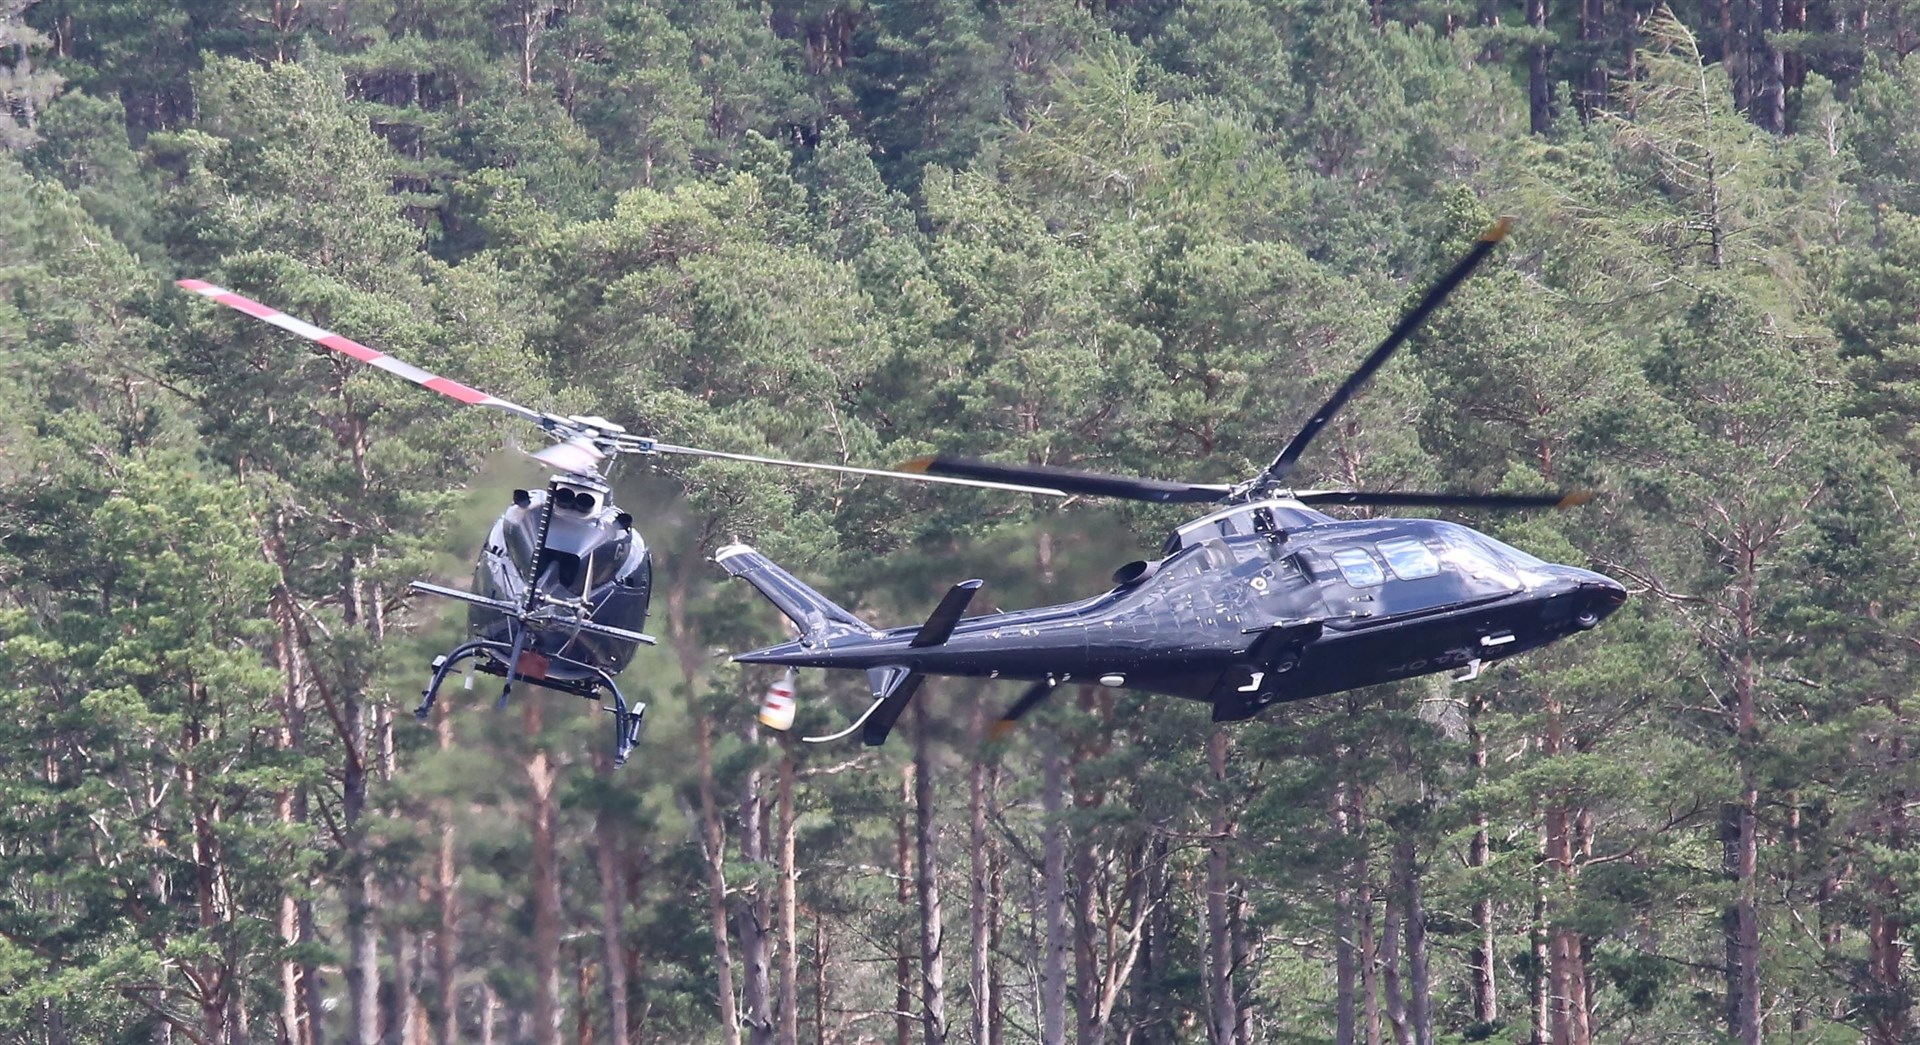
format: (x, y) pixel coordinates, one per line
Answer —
(940, 624)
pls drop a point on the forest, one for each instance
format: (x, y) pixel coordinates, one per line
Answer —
(1136, 236)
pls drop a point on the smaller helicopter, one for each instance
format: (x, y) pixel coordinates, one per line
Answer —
(1264, 600)
(561, 588)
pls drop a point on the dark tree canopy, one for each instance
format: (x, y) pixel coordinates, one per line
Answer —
(1141, 236)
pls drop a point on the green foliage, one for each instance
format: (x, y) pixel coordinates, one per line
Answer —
(1143, 237)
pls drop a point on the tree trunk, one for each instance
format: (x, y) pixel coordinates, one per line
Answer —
(753, 916)
(363, 958)
(403, 1005)
(1891, 1007)
(300, 981)
(613, 902)
(788, 901)
(1086, 975)
(1566, 965)
(1053, 973)
(446, 942)
(1390, 986)
(1242, 957)
(1096, 984)
(713, 841)
(1419, 983)
(1593, 77)
(1344, 952)
(404, 1010)
(996, 870)
(1793, 18)
(1770, 102)
(1739, 821)
(1738, 921)
(1363, 897)
(819, 980)
(363, 962)
(903, 892)
(1539, 995)
(1156, 932)
(1486, 995)
(1539, 87)
(980, 959)
(1223, 1010)
(542, 775)
(933, 972)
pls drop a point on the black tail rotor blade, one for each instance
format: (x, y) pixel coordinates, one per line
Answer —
(1029, 700)
(1283, 464)
(1095, 484)
(1404, 499)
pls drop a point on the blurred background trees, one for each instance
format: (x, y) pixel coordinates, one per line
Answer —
(1135, 235)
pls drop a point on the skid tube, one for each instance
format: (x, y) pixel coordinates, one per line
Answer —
(487, 656)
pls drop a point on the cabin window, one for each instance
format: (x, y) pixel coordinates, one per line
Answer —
(607, 560)
(1409, 559)
(1358, 567)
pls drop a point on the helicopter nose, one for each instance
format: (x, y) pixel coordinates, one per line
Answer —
(1597, 595)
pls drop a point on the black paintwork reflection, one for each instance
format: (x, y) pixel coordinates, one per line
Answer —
(1242, 614)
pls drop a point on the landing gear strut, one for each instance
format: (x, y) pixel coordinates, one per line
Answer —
(502, 660)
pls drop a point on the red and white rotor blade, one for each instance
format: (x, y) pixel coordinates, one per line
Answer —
(348, 347)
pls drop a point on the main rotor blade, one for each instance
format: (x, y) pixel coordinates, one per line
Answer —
(912, 476)
(353, 349)
(1283, 464)
(1397, 498)
(1070, 481)
(1002, 727)
(577, 454)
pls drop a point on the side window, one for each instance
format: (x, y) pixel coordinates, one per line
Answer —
(1409, 559)
(1358, 567)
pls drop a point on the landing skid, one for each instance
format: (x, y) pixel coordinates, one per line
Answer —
(492, 658)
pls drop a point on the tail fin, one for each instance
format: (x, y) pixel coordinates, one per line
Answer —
(819, 618)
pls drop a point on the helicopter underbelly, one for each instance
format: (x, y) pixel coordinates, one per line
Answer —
(1419, 644)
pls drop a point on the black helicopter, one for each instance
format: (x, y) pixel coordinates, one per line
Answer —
(561, 588)
(1264, 600)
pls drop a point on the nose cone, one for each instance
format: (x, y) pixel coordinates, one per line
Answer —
(1598, 595)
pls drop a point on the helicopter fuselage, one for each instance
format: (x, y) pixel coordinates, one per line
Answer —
(594, 566)
(1260, 603)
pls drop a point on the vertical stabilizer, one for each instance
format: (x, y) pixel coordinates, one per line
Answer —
(820, 620)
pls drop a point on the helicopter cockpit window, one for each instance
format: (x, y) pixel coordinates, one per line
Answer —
(606, 562)
(1481, 557)
(1409, 559)
(1358, 567)
(1515, 555)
